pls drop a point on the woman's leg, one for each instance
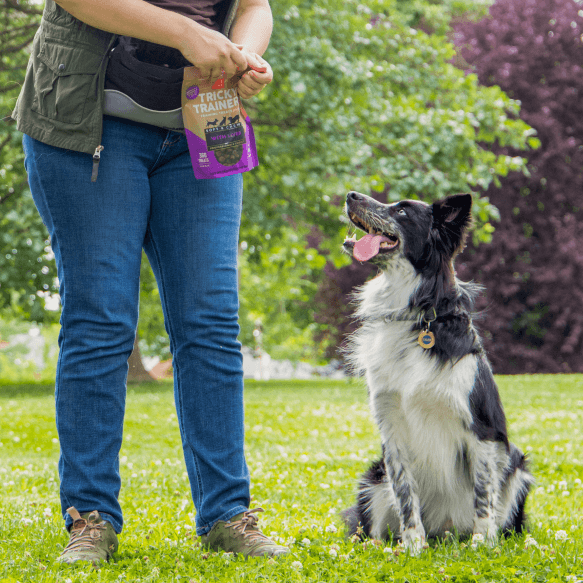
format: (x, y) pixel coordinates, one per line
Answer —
(97, 231)
(192, 243)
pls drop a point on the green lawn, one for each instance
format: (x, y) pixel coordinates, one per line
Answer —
(307, 443)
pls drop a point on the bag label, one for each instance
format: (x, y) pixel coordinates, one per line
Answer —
(219, 133)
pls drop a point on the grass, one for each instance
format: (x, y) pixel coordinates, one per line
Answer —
(307, 443)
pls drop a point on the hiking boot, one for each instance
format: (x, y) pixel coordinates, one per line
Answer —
(241, 535)
(92, 539)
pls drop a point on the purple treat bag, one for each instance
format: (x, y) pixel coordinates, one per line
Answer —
(219, 133)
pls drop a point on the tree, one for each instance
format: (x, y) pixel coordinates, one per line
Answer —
(25, 259)
(363, 98)
(533, 268)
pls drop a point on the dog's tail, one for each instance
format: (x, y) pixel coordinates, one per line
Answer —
(351, 518)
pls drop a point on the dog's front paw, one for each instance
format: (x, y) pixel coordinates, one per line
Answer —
(413, 539)
(485, 532)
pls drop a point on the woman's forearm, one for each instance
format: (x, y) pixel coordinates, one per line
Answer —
(207, 49)
(253, 25)
(134, 18)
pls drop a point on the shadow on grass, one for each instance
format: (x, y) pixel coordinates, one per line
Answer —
(24, 390)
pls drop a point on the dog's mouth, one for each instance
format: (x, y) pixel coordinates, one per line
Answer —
(374, 243)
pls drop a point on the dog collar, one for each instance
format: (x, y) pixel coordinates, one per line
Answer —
(426, 338)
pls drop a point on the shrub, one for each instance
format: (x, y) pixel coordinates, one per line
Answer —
(533, 268)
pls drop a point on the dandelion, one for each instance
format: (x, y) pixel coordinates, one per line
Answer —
(561, 535)
(297, 565)
(331, 528)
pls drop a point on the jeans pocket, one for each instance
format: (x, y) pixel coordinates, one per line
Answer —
(65, 81)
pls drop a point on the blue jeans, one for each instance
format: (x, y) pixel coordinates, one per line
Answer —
(145, 196)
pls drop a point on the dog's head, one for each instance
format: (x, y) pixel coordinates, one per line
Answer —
(428, 236)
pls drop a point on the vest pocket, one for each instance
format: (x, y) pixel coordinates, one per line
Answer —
(65, 81)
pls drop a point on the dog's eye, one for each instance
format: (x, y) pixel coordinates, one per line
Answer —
(402, 212)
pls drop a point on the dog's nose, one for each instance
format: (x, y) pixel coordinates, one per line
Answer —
(352, 195)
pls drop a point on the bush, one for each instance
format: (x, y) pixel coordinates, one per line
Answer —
(533, 269)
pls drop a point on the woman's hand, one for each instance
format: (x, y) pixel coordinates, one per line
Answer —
(213, 53)
(252, 82)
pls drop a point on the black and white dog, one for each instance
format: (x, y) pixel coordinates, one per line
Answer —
(447, 464)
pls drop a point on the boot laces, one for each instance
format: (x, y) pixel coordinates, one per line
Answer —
(247, 526)
(85, 534)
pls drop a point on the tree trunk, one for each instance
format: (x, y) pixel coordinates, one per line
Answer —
(137, 373)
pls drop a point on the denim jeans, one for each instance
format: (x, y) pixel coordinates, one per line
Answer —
(145, 196)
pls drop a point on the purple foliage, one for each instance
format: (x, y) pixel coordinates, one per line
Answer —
(533, 269)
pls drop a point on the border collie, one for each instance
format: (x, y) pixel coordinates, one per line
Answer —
(446, 461)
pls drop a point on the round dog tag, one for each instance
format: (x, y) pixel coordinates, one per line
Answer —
(426, 339)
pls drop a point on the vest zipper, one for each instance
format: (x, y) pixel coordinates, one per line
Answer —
(96, 159)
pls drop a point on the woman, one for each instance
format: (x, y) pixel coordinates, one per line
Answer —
(106, 187)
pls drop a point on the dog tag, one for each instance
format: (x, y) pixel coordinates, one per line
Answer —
(426, 339)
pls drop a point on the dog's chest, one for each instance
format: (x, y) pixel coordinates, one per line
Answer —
(425, 411)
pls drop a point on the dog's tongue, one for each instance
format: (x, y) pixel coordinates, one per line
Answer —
(368, 247)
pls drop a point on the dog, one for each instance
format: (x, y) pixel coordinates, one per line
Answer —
(447, 464)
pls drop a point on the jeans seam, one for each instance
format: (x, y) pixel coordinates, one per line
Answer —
(163, 298)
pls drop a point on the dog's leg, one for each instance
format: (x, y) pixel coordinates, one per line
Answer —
(487, 483)
(406, 497)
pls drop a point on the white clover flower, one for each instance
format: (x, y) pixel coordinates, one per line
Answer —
(48, 512)
(306, 542)
(565, 493)
(530, 542)
(388, 550)
(331, 528)
(26, 521)
(562, 485)
(561, 535)
(333, 552)
(478, 538)
(297, 565)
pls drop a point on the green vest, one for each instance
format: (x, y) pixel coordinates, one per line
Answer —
(61, 100)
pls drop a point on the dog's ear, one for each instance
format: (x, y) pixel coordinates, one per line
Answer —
(452, 217)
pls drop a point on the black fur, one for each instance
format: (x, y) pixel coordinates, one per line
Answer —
(433, 406)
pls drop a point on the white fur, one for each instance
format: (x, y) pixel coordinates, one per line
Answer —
(422, 409)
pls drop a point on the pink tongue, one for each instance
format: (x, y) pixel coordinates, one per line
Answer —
(368, 247)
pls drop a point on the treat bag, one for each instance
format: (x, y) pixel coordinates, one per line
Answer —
(219, 133)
